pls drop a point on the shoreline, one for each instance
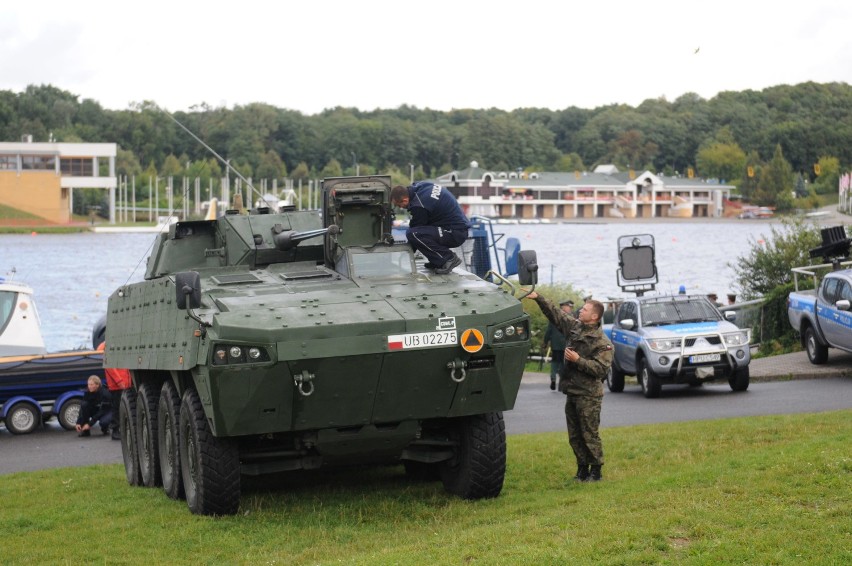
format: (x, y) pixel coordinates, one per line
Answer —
(827, 215)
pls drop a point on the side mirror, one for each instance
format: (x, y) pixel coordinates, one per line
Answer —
(730, 316)
(527, 267)
(842, 304)
(188, 290)
(627, 323)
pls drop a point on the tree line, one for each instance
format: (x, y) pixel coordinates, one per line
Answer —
(771, 143)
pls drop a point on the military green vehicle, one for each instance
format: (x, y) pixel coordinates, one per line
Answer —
(278, 341)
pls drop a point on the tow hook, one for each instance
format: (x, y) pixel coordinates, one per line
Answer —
(459, 365)
(303, 379)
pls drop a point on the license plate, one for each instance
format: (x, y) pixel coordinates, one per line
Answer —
(701, 358)
(422, 340)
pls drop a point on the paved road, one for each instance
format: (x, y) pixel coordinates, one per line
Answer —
(540, 410)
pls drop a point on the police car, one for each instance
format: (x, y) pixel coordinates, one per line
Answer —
(681, 339)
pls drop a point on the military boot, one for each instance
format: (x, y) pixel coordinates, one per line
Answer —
(595, 473)
(582, 472)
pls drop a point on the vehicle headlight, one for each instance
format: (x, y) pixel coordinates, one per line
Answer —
(738, 338)
(664, 344)
(515, 332)
(231, 354)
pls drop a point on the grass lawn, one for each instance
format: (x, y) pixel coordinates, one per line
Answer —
(757, 490)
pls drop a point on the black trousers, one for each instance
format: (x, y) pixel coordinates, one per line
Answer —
(435, 242)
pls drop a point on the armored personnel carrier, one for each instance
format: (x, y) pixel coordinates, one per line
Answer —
(291, 340)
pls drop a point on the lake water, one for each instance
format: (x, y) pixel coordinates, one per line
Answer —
(74, 274)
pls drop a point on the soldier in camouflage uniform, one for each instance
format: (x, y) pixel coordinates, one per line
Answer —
(588, 356)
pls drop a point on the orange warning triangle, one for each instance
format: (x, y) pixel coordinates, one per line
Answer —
(472, 340)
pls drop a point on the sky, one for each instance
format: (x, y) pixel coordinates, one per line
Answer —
(438, 54)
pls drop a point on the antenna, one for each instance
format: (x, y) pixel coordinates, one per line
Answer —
(211, 150)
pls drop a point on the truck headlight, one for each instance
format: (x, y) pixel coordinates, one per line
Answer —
(664, 344)
(514, 332)
(231, 354)
(738, 338)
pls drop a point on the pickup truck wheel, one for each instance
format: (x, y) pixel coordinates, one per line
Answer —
(168, 424)
(739, 381)
(147, 402)
(615, 379)
(649, 381)
(817, 353)
(127, 426)
(69, 413)
(210, 466)
(22, 418)
(478, 467)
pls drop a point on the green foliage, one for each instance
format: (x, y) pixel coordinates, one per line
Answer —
(721, 161)
(774, 331)
(805, 121)
(171, 167)
(570, 162)
(332, 169)
(554, 293)
(271, 166)
(775, 186)
(829, 176)
(768, 263)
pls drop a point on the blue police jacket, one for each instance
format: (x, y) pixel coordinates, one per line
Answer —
(433, 205)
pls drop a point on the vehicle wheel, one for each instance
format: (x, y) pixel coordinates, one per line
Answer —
(127, 426)
(477, 468)
(615, 379)
(147, 401)
(817, 353)
(649, 381)
(421, 471)
(69, 413)
(168, 424)
(739, 381)
(210, 466)
(23, 418)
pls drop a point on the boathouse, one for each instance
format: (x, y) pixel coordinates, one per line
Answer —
(39, 178)
(603, 193)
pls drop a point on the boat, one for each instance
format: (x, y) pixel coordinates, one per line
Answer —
(36, 385)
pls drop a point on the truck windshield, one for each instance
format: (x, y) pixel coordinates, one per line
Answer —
(655, 314)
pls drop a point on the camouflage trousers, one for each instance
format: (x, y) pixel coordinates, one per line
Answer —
(583, 416)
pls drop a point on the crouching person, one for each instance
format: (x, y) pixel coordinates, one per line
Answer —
(96, 408)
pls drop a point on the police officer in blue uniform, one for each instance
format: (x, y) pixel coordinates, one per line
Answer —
(437, 223)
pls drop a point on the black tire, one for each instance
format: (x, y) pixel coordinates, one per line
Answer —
(615, 379)
(817, 353)
(210, 466)
(127, 427)
(69, 412)
(649, 381)
(168, 425)
(739, 381)
(23, 418)
(477, 468)
(147, 401)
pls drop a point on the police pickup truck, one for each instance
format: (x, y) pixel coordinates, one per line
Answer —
(681, 339)
(822, 316)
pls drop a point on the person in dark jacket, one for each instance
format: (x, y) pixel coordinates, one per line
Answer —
(553, 337)
(437, 223)
(96, 408)
(588, 357)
